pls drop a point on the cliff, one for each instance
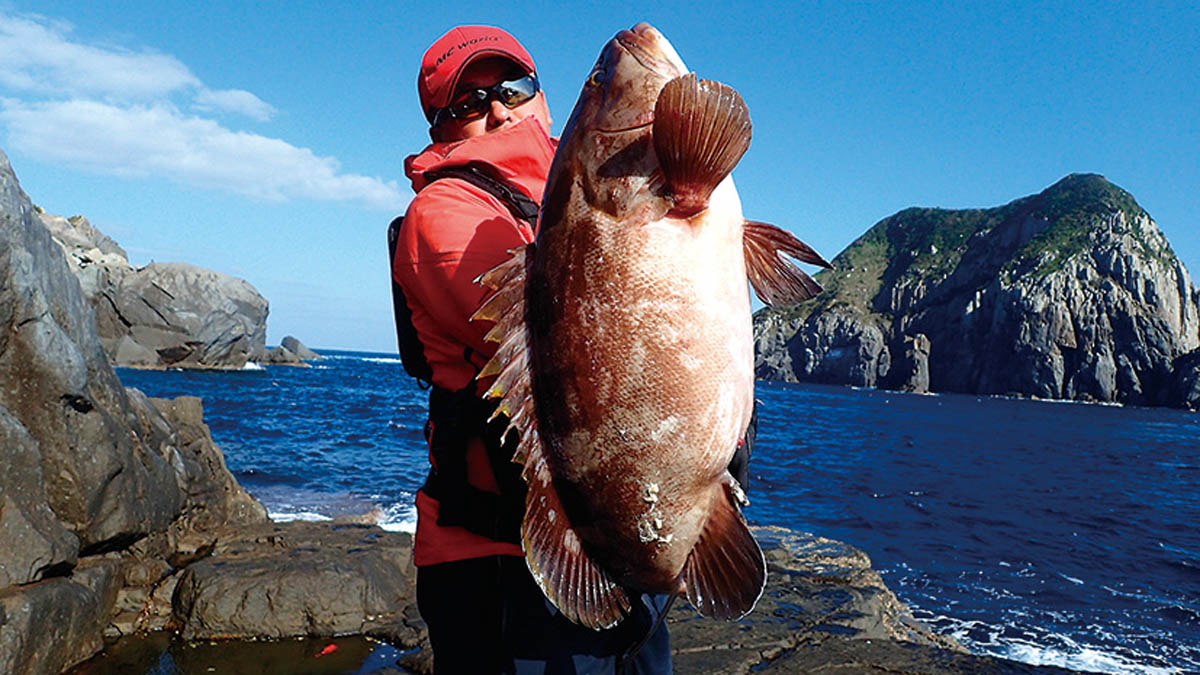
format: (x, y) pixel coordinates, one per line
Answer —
(1072, 293)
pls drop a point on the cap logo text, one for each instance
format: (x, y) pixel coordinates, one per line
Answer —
(463, 45)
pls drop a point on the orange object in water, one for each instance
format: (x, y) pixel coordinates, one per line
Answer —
(329, 649)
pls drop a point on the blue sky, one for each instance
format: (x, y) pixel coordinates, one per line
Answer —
(266, 140)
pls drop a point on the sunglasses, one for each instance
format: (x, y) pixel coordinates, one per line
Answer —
(475, 102)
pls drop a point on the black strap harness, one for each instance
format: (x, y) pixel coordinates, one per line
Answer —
(456, 418)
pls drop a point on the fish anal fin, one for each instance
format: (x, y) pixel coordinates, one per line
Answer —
(725, 572)
(583, 592)
(701, 129)
(776, 280)
(510, 363)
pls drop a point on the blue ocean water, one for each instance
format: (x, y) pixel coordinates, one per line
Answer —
(1052, 533)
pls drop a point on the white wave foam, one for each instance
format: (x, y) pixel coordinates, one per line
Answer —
(991, 640)
(1086, 659)
(251, 365)
(376, 359)
(399, 518)
(310, 516)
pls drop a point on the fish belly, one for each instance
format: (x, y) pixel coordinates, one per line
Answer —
(652, 370)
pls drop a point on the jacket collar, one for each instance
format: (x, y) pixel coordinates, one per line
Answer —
(520, 154)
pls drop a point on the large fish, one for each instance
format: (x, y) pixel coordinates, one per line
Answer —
(626, 355)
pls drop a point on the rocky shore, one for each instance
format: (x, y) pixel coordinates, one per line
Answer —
(824, 610)
(120, 520)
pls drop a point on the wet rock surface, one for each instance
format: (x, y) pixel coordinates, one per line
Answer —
(824, 610)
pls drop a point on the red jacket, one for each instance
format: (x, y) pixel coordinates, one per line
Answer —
(454, 231)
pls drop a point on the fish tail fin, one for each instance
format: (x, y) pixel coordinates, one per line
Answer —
(775, 279)
(582, 591)
(701, 130)
(725, 572)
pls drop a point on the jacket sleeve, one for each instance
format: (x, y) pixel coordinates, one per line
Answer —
(452, 233)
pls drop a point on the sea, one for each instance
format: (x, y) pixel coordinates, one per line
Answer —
(1052, 533)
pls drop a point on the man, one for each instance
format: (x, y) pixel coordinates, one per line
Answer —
(477, 187)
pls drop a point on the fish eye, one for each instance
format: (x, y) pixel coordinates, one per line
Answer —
(596, 78)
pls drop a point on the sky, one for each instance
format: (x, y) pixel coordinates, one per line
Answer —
(267, 140)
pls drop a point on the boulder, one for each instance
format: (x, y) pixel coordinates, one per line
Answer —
(282, 356)
(105, 483)
(911, 370)
(299, 349)
(34, 545)
(824, 610)
(52, 625)
(299, 579)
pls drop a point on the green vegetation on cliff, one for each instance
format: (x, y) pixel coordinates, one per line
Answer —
(1033, 235)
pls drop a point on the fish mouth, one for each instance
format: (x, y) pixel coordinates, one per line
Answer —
(631, 128)
(651, 50)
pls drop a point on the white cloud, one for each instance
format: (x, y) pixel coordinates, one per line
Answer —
(235, 100)
(114, 110)
(158, 140)
(36, 56)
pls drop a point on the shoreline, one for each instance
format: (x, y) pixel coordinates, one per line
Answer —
(824, 608)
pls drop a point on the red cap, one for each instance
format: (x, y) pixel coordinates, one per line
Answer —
(446, 58)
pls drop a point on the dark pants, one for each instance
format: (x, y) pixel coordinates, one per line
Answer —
(487, 615)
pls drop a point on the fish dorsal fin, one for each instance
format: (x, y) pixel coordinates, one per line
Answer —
(583, 592)
(775, 279)
(725, 572)
(701, 130)
(510, 363)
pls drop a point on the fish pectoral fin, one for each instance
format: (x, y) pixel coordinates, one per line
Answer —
(510, 363)
(775, 279)
(582, 591)
(701, 130)
(725, 572)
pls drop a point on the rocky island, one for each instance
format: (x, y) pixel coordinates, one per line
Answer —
(1072, 293)
(119, 519)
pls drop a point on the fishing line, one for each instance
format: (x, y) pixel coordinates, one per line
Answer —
(632, 653)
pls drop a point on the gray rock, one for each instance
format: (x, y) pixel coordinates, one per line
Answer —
(282, 356)
(1186, 386)
(33, 543)
(299, 349)
(298, 579)
(1073, 293)
(190, 316)
(52, 625)
(164, 314)
(90, 469)
(911, 371)
(214, 500)
(101, 480)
